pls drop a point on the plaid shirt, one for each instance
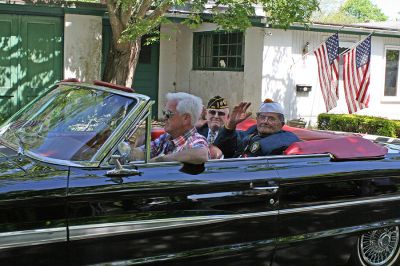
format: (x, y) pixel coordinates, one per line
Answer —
(166, 145)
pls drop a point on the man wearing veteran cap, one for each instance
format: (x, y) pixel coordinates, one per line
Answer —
(265, 138)
(217, 114)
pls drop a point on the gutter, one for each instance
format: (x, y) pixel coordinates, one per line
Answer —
(346, 29)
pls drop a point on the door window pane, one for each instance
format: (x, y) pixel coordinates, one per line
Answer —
(391, 72)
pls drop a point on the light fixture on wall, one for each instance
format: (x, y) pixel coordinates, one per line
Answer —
(306, 48)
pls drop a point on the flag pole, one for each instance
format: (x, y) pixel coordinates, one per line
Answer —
(315, 47)
(310, 52)
(354, 45)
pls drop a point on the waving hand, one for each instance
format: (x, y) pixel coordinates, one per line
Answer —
(239, 114)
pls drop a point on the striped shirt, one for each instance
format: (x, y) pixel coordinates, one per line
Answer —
(165, 144)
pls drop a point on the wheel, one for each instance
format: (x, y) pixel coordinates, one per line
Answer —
(378, 248)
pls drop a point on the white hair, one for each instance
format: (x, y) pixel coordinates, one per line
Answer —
(187, 104)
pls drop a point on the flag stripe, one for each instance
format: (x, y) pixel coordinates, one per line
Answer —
(362, 93)
(327, 55)
(327, 73)
(321, 79)
(356, 76)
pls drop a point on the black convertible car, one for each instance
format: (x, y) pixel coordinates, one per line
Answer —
(68, 197)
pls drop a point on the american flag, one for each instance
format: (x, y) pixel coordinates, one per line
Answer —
(327, 55)
(356, 76)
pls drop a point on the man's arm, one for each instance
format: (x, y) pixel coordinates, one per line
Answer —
(193, 156)
(228, 139)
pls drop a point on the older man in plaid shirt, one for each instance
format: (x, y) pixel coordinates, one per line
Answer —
(181, 142)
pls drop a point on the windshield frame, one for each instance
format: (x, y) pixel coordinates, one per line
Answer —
(118, 133)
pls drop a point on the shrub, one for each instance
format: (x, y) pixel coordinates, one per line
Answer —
(397, 128)
(359, 124)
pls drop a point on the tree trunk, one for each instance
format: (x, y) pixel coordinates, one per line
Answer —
(121, 63)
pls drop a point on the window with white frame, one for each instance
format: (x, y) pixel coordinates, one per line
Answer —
(391, 88)
(217, 50)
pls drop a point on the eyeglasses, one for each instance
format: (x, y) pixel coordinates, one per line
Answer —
(267, 118)
(168, 114)
(219, 113)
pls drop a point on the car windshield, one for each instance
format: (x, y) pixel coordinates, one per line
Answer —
(68, 123)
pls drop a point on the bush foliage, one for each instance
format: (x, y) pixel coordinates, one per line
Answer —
(359, 124)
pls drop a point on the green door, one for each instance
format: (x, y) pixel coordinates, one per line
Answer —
(8, 64)
(30, 59)
(146, 75)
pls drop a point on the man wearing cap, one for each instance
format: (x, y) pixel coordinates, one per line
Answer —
(217, 114)
(264, 138)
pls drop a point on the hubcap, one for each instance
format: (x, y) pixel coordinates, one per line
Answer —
(378, 247)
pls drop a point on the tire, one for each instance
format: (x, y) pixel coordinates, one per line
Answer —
(379, 247)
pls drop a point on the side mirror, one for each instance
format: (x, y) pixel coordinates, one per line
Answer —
(120, 171)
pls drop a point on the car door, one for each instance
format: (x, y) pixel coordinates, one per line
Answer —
(324, 205)
(33, 226)
(225, 215)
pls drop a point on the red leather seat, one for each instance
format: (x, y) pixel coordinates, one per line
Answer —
(340, 148)
(156, 132)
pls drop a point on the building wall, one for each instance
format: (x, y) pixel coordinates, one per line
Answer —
(176, 72)
(277, 81)
(253, 68)
(285, 66)
(167, 68)
(82, 46)
(274, 64)
(380, 105)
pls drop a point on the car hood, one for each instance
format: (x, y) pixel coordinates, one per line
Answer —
(21, 174)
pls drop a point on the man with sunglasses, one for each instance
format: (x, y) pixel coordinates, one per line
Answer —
(264, 138)
(217, 114)
(181, 142)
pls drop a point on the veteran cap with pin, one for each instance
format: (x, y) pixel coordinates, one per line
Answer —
(217, 102)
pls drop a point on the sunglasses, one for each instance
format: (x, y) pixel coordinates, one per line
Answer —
(219, 113)
(168, 114)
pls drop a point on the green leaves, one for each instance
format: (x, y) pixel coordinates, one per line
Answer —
(230, 15)
(140, 27)
(354, 11)
(236, 16)
(359, 124)
(286, 12)
(363, 10)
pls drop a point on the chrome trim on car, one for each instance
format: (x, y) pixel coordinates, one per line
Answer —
(337, 205)
(32, 237)
(53, 235)
(148, 137)
(209, 251)
(129, 123)
(134, 117)
(242, 247)
(337, 231)
(110, 229)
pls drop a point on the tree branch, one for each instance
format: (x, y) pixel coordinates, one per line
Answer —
(116, 25)
(146, 4)
(160, 10)
(126, 16)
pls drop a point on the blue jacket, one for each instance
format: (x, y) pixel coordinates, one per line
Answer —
(235, 143)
